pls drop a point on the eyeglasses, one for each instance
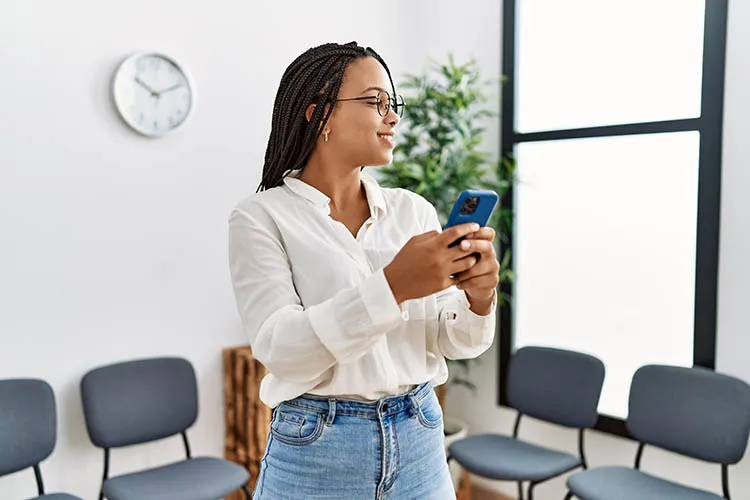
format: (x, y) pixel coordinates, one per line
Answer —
(384, 102)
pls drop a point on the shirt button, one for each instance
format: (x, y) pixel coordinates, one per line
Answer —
(404, 311)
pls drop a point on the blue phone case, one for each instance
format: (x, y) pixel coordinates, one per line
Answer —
(483, 202)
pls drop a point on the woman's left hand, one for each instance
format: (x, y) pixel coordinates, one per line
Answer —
(480, 281)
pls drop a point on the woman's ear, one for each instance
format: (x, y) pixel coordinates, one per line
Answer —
(308, 115)
(309, 111)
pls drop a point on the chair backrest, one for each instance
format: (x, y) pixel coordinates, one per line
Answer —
(28, 423)
(556, 385)
(693, 411)
(139, 401)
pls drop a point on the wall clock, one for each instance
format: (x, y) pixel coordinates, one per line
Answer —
(152, 93)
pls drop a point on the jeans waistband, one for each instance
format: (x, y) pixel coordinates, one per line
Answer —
(390, 405)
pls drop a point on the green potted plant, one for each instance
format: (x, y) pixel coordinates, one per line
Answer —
(438, 156)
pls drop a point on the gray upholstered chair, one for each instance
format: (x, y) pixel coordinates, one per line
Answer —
(554, 385)
(28, 429)
(145, 400)
(691, 411)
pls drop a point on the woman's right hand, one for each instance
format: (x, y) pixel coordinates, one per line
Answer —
(426, 265)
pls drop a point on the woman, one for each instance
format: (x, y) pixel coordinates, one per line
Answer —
(350, 294)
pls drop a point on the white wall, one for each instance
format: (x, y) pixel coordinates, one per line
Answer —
(733, 339)
(113, 246)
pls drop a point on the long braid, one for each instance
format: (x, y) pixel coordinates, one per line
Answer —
(314, 77)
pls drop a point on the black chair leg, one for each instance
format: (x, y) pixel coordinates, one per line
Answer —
(531, 491)
(520, 490)
(248, 494)
(569, 495)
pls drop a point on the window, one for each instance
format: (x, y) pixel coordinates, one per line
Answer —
(613, 112)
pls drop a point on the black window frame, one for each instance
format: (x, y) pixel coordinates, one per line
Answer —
(709, 125)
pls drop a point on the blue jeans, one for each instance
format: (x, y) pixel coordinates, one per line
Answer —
(332, 448)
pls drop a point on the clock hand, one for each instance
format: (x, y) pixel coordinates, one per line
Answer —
(173, 87)
(149, 89)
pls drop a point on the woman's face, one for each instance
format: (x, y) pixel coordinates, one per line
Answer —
(358, 134)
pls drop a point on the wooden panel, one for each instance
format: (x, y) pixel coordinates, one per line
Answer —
(247, 419)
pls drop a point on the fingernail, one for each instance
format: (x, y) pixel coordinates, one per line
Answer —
(465, 245)
(475, 227)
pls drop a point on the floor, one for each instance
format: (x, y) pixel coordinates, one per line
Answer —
(479, 493)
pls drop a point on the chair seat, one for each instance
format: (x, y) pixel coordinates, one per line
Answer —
(616, 483)
(505, 458)
(203, 478)
(57, 496)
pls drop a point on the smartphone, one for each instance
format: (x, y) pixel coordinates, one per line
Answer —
(472, 205)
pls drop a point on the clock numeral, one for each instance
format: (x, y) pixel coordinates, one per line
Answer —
(141, 118)
(156, 125)
(155, 63)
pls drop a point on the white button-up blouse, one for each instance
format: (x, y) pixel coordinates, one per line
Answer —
(315, 304)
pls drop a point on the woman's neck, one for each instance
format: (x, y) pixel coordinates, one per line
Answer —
(341, 184)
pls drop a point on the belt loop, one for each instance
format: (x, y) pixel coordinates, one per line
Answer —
(414, 407)
(331, 411)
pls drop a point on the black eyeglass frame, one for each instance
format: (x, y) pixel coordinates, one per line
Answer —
(394, 103)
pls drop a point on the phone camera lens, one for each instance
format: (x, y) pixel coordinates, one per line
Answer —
(469, 205)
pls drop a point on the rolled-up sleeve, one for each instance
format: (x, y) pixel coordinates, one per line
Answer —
(462, 333)
(297, 343)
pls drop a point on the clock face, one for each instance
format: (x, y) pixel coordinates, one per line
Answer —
(152, 93)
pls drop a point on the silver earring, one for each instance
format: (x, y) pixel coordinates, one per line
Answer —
(325, 137)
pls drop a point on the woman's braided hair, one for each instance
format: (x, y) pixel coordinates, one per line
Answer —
(313, 78)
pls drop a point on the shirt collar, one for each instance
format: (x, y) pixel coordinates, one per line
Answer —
(374, 192)
(375, 197)
(306, 191)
